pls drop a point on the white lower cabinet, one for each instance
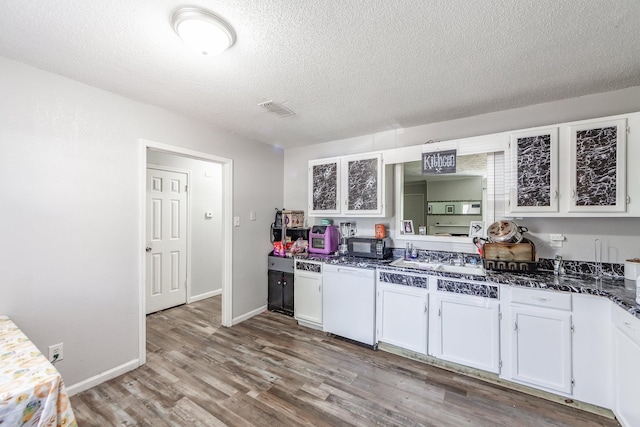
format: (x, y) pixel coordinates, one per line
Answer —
(307, 296)
(402, 316)
(592, 350)
(465, 329)
(538, 347)
(626, 337)
(574, 345)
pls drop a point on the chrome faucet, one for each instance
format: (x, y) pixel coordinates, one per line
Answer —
(558, 268)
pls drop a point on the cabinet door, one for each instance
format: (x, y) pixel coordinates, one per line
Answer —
(287, 292)
(541, 348)
(324, 187)
(465, 330)
(534, 167)
(308, 297)
(362, 185)
(598, 167)
(402, 316)
(592, 364)
(627, 378)
(274, 296)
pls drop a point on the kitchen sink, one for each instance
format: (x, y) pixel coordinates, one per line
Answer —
(448, 268)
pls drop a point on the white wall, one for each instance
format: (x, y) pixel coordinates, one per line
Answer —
(70, 213)
(205, 194)
(620, 236)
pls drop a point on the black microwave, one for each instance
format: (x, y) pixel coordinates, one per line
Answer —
(370, 247)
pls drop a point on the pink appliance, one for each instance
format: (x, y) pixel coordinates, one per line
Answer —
(323, 239)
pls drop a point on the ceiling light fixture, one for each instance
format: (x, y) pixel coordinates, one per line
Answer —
(202, 30)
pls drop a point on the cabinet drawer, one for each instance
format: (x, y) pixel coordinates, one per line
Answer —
(309, 266)
(626, 322)
(535, 297)
(280, 264)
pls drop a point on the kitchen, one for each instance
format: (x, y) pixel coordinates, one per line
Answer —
(604, 262)
(73, 253)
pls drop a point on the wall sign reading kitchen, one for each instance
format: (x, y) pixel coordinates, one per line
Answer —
(439, 162)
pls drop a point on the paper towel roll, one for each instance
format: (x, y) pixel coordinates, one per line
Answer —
(632, 269)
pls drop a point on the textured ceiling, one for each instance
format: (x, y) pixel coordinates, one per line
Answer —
(347, 68)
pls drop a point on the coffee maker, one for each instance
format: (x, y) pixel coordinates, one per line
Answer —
(288, 225)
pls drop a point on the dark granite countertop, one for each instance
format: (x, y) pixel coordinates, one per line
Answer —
(349, 261)
(612, 288)
(608, 287)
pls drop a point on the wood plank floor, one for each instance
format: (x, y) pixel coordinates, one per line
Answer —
(268, 371)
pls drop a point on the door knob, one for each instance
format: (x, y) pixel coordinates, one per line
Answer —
(148, 249)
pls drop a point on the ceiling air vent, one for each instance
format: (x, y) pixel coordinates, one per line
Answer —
(278, 109)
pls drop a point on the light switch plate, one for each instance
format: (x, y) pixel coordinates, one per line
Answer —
(252, 215)
(236, 221)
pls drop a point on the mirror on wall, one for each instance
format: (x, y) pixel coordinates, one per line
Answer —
(445, 205)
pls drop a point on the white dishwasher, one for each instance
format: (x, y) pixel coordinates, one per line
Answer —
(349, 302)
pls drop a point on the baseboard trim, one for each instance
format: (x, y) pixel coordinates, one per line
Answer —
(249, 315)
(100, 378)
(495, 379)
(206, 295)
(311, 325)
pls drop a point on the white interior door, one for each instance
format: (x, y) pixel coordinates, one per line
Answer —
(166, 239)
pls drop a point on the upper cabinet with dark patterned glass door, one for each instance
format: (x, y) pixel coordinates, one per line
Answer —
(324, 187)
(534, 166)
(362, 186)
(348, 186)
(598, 166)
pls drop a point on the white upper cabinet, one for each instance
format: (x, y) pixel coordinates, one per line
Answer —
(597, 166)
(324, 186)
(534, 162)
(362, 185)
(348, 186)
(575, 169)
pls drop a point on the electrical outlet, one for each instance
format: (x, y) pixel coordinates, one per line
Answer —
(55, 353)
(556, 240)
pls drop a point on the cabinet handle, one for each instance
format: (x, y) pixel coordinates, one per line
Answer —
(439, 312)
(515, 326)
(573, 193)
(319, 288)
(541, 299)
(555, 196)
(628, 325)
(425, 308)
(279, 282)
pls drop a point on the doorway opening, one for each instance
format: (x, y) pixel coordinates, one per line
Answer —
(225, 244)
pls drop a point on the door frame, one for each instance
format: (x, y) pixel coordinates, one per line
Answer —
(187, 285)
(227, 231)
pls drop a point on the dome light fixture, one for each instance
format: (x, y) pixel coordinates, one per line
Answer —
(202, 30)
